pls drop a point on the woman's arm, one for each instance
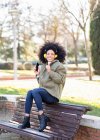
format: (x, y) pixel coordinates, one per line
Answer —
(59, 75)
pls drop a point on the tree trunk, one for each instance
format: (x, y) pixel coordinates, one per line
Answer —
(88, 56)
(75, 51)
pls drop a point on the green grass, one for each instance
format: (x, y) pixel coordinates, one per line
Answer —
(94, 104)
(13, 91)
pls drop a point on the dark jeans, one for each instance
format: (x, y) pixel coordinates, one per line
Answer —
(39, 95)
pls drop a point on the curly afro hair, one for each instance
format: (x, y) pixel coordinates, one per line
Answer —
(56, 47)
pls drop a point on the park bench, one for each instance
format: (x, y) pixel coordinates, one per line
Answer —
(65, 121)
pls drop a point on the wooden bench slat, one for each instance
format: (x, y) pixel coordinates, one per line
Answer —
(79, 110)
(55, 119)
(57, 111)
(24, 132)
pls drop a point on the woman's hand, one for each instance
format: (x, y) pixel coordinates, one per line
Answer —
(48, 68)
(36, 72)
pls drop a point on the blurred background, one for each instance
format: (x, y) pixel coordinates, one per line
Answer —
(25, 25)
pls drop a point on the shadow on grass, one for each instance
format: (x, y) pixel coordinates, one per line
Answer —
(95, 105)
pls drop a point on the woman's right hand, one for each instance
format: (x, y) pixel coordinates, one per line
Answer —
(36, 72)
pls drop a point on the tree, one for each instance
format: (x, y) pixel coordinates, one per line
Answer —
(95, 39)
(83, 20)
(5, 52)
(71, 29)
(24, 27)
(49, 26)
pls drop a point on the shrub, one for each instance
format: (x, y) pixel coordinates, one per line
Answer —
(7, 65)
(20, 67)
(28, 66)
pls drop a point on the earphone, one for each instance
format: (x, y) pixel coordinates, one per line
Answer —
(46, 55)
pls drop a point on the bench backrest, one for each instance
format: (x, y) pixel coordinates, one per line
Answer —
(65, 118)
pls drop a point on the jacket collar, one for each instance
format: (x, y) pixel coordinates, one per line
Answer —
(53, 61)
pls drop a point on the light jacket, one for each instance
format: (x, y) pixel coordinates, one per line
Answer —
(54, 80)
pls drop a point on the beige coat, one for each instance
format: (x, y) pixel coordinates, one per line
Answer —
(54, 80)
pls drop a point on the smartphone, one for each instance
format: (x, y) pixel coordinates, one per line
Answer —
(37, 66)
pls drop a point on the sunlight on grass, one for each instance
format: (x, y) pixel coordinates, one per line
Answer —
(13, 91)
(94, 104)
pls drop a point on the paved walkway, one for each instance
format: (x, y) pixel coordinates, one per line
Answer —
(80, 87)
(5, 115)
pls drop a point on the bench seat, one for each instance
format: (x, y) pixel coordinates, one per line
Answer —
(64, 124)
(31, 133)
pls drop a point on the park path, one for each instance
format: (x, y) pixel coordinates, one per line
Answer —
(80, 87)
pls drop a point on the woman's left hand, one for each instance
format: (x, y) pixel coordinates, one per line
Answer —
(48, 68)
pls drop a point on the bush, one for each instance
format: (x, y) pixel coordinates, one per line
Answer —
(3, 98)
(20, 67)
(1, 65)
(7, 65)
(28, 66)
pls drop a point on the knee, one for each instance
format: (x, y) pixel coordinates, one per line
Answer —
(29, 93)
(32, 93)
(35, 93)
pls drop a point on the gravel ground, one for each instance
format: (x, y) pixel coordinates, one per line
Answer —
(6, 115)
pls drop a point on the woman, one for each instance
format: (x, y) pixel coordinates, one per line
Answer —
(51, 77)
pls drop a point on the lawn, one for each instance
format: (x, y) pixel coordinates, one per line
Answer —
(13, 91)
(95, 104)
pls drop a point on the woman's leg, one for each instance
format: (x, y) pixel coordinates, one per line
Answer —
(41, 95)
(28, 105)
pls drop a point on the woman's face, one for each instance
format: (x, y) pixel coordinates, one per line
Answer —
(50, 55)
